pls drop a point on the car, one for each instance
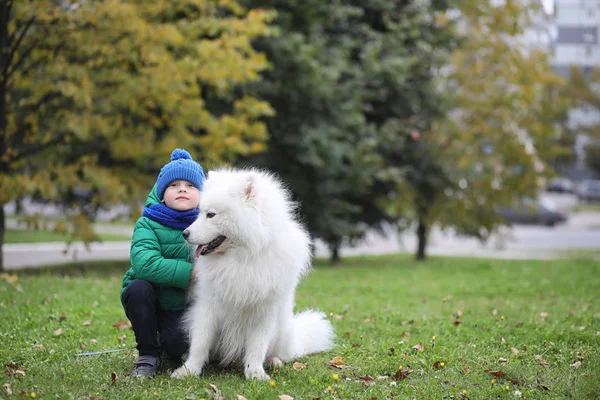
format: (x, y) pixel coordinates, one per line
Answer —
(589, 190)
(534, 211)
(560, 185)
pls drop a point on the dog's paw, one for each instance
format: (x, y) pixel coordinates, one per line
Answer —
(184, 371)
(256, 373)
(275, 362)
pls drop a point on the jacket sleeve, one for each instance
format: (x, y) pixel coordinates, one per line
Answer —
(149, 264)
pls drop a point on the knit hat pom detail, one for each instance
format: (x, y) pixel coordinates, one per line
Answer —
(179, 154)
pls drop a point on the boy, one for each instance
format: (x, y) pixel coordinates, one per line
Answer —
(154, 288)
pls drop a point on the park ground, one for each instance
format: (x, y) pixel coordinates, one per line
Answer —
(467, 328)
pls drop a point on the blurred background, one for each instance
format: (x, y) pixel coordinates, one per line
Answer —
(464, 127)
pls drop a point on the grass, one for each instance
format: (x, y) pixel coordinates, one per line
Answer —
(478, 310)
(39, 236)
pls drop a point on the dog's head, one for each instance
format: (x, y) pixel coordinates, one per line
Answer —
(238, 208)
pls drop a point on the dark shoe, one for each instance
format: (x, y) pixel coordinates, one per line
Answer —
(145, 367)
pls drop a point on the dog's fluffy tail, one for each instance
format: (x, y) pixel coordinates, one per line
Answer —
(311, 332)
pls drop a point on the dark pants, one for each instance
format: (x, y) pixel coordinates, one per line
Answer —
(156, 330)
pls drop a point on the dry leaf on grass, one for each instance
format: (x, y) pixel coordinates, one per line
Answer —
(499, 374)
(86, 323)
(502, 360)
(58, 332)
(514, 350)
(459, 314)
(114, 378)
(494, 312)
(576, 364)
(418, 347)
(285, 397)
(298, 366)
(337, 362)
(339, 316)
(356, 345)
(240, 397)
(543, 315)
(544, 364)
(437, 364)
(347, 334)
(121, 324)
(8, 389)
(368, 380)
(402, 374)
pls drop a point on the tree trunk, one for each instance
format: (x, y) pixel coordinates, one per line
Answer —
(422, 237)
(335, 255)
(2, 229)
(4, 16)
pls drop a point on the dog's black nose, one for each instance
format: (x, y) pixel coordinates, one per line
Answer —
(185, 234)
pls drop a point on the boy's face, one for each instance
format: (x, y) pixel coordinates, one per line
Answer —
(181, 196)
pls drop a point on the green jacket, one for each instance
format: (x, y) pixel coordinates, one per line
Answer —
(160, 255)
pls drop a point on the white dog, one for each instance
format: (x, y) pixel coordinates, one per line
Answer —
(251, 255)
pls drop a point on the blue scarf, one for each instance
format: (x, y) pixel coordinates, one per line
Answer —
(169, 217)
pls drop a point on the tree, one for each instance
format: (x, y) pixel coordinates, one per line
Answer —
(347, 82)
(95, 95)
(505, 107)
(582, 88)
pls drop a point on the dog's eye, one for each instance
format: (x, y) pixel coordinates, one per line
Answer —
(210, 215)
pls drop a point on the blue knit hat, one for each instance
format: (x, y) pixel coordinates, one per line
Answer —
(183, 167)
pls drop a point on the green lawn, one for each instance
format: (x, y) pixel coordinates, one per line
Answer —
(40, 236)
(534, 324)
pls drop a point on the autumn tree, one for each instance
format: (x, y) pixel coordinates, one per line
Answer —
(505, 105)
(95, 95)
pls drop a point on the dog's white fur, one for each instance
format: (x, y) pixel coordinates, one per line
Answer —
(243, 297)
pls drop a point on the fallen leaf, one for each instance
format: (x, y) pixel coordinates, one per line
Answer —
(58, 332)
(339, 316)
(368, 319)
(347, 334)
(499, 374)
(356, 345)
(494, 312)
(456, 322)
(436, 364)
(402, 374)
(514, 350)
(502, 360)
(467, 369)
(8, 389)
(114, 378)
(86, 323)
(539, 357)
(383, 378)
(81, 346)
(406, 334)
(240, 397)
(38, 346)
(459, 314)
(310, 396)
(285, 397)
(337, 362)
(576, 364)
(544, 364)
(94, 340)
(502, 341)
(368, 380)
(418, 347)
(545, 387)
(63, 317)
(121, 338)
(122, 324)
(582, 328)
(543, 315)
(579, 356)
(298, 366)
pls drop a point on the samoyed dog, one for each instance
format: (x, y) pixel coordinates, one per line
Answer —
(251, 253)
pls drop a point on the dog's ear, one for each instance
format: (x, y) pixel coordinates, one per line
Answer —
(249, 186)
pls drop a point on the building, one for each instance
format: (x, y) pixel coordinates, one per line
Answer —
(576, 42)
